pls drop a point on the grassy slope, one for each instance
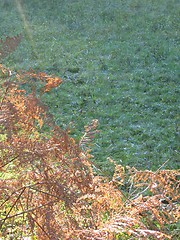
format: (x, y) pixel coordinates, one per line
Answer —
(119, 63)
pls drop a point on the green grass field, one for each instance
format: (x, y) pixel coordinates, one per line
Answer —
(119, 61)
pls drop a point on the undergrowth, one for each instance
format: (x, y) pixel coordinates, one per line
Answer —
(48, 187)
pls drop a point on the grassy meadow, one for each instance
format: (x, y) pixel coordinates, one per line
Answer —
(119, 61)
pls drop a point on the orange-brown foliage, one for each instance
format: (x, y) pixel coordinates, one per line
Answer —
(47, 185)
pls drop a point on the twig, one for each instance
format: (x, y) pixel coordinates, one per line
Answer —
(26, 211)
(3, 221)
(9, 161)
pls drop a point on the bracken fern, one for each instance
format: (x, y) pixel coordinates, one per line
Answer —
(47, 185)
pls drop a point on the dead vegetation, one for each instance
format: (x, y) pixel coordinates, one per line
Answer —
(47, 185)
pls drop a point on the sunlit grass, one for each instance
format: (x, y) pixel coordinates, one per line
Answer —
(119, 61)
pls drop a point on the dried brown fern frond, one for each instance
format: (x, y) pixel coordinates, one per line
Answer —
(165, 182)
(132, 227)
(49, 80)
(52, 170)
(98, 205)
(89, 134)
(9, 45)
